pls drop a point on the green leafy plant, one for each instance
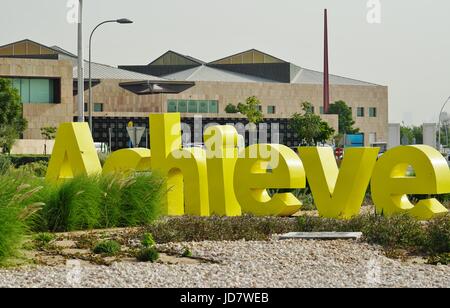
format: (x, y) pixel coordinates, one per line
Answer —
(12, 123)
(309, 127)
(345, 116)
(42, 240)
(251, 109)
(149, 254)
(148, 241)
(230, 108)
(186, 253)
(5, 164)
(108, 248)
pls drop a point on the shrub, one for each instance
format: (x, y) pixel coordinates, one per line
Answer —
(38, 169)
(438, 235)
(15, 207)
(110, 208)
(215, 228)
(73, 205)
(20, 160)
(108, 248)
(5, 164)
(43, 239)
(148, 241)
(141, 199)
(149, 254)
(186, 253)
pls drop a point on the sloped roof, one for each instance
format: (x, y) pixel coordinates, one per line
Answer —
(252, 56)
(175, 58)
(206, 73)
(102, 71)
(307, 76)
(26, 47)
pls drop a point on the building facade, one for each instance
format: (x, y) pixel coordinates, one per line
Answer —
(46, 78)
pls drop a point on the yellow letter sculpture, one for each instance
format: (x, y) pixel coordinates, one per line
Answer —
(222, 152)
(254, 175)
(187, 182)
(338, 193)
(74, 153)
(391, 184)
(128, 160)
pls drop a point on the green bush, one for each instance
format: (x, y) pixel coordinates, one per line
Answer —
(5, 164)
(42, 240)
(15, 207)
(215, 228)
(148, 255)
(148, 241)
(20, 160)
(99, 202)
(108, 248)
(438, 235)
(73, 205)
(38, 169)
(142, 197)
(186, 253)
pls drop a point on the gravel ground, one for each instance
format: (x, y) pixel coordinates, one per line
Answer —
(292, 263)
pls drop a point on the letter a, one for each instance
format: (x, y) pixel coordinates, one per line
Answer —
(74, 153)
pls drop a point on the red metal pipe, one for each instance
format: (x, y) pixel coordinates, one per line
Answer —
(326, 76)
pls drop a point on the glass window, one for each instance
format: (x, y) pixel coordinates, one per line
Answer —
(41, 91)
(182, 106)
(203, 107)
(193, 107)
(372, 112)
(321, 110)
(172, 106)
(360, 112)
(271, 109)
(213, 107)
(98, 107)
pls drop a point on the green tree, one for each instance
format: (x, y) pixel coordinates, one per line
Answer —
(346, 121)
(48, 133)
(230, 108)
(251, 110)
(12, 123)
(310, 128)
(414, 134)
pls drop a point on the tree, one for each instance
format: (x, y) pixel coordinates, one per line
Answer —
(12, 123)
(251, 110)
(346, 121)
(48, 133)
(310, 128)
(413, 134)
(230, 108)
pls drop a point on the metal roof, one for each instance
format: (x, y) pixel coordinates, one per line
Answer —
(206, 73)
(307, 76)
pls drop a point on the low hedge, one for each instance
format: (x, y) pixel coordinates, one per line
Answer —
(21, 160)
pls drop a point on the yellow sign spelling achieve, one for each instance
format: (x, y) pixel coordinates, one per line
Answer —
(224, 180)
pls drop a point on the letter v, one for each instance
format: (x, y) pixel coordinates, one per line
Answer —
(338, 193)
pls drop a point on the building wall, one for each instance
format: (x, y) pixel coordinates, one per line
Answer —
(286, 97)
(42, 115)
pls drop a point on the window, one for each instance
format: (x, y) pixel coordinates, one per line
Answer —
(38, 90)
(213, 107)
(373, 112)
(321, 110)
(360, 112)
(193, 106)
(271, 109)
(172, 106)
(98, 107)
(260, 108)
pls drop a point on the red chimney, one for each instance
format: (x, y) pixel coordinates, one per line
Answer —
(326, 77)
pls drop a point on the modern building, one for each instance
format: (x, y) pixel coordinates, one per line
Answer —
(46, 78)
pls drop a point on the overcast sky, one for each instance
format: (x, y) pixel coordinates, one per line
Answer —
(409, 51)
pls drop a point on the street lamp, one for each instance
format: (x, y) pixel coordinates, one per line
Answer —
(119, 21)
(439, 125)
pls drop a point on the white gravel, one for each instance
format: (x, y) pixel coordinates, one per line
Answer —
(292, 263)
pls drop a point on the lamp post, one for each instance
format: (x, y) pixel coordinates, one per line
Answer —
(119, 21)
(439, 125)
(80, 64)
